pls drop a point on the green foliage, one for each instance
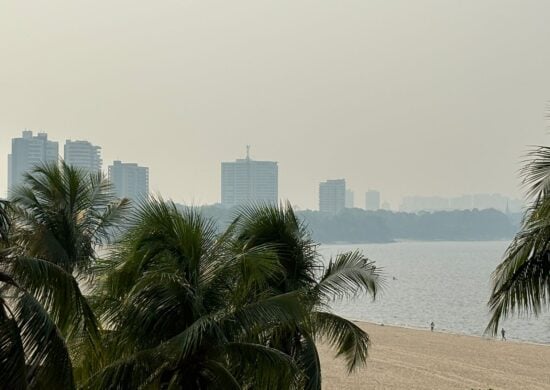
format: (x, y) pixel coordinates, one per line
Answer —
(348, 275)
(175, 303)
(61, 215)
(521, 282)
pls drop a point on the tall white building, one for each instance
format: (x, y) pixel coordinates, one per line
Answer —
(129, 180)
(27, 152)
(83, 155)
(372, 200)
(332, 196)
(246, 180)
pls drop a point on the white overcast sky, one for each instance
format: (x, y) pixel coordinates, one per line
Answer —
(407, 97)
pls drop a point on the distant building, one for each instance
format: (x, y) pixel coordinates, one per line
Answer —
(332, 196)
(249, 181)
(27, 152)
(498, 202)
(349, 199)
(385, 206)
(372, 200)
(464, 202)
(83, 155)
(129, 180)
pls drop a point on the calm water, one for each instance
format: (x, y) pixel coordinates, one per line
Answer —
(444, 282)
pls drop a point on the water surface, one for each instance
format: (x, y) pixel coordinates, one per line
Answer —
(444, 282)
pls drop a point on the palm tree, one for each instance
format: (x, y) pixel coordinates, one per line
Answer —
(348, 275)
(171, 297)
(521, 282)
(33, 354)
(62, 216)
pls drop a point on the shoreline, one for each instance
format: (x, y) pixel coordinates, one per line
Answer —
(410, 358)
(446, 331)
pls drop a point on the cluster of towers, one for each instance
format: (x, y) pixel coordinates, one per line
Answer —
(129, 179)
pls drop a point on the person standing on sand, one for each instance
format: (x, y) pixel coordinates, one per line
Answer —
(503, 333)
(432, 326)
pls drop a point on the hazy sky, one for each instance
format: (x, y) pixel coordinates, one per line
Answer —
(408, 97)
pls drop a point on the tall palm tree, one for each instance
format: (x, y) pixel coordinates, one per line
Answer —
(170, 296)
(521, 282)
(62, 216)
(348, 275)
(33, 354)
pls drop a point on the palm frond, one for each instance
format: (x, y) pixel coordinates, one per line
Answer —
(278, 370)
(47, 357)
(536, 173)
(350, 341)
(348, 275)
(13, 370)
(521, 282)
(311, 363)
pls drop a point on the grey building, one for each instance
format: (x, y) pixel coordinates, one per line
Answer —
(27, 152)
(332, 196)
(129, 180)
(350, 199)
(246, 180)
(83, 155)
(372, 200)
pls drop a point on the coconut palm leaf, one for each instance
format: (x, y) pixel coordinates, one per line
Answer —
(13, 370)
(521, 282)
(348, 275)
(348, 339)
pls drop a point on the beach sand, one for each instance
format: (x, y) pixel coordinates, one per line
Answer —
(402, 358)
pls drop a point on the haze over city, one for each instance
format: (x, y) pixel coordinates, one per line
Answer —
(441, 99)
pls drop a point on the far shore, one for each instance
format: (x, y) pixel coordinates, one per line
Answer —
(407, 358)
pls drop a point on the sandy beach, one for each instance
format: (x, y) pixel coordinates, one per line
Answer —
(402, 358)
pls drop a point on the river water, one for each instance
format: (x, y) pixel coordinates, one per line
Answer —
(444, 282)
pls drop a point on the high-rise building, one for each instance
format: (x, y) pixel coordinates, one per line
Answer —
(372, 200)
(27, 152)
(349, 199)
(129, 180)
(246, 180)
(332, 196)
(83, 155)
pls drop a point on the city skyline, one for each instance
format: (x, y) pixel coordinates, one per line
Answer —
(358, 99)
(84, 154)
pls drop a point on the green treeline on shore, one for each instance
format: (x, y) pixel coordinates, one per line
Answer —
(360, 226)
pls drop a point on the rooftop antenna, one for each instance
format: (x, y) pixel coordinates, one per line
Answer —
(248, 152)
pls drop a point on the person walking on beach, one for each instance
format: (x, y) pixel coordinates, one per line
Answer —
(503, 333)
(432, 326)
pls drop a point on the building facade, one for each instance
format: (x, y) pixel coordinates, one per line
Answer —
(26, 153)
(350, 199)
(372, 200)
(249, 181)
(83, 155)
(129, 180)
(332, 196)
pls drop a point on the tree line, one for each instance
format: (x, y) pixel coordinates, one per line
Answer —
(361, 226)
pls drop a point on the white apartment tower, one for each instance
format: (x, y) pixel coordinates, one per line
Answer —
(332, 196)
(27, 152)
(83, 155)
(249, 181)
(129, 180)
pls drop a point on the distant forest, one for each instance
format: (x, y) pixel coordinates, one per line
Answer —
(360, 226)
